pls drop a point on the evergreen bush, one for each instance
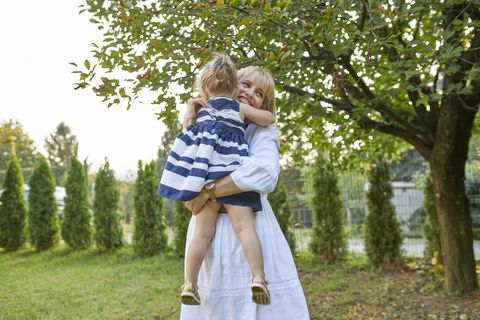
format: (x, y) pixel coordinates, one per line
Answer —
(76, 228)
(42, 208)
(430, 227)
(106, 219)
(181, 219)
(149, 235)
(13, 209)
(282, 209)
(383, 236)
(328, 233)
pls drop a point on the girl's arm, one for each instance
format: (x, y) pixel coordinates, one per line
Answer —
(259, 172)
(260, 117)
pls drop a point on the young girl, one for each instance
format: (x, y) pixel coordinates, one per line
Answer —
(211, 149)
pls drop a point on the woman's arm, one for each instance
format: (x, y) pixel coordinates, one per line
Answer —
(259, 172)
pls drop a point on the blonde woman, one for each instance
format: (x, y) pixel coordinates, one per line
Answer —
(224, 279)
(201, 154)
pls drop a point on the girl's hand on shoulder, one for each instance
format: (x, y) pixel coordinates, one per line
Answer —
(193, 106)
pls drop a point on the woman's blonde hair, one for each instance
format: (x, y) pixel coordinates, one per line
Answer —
(218, 76)
(263, 79)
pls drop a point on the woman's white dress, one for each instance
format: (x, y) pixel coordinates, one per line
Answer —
(225, 277)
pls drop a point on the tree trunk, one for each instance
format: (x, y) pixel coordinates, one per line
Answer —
(447, 163)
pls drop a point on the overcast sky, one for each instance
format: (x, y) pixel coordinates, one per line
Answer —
(38, 39)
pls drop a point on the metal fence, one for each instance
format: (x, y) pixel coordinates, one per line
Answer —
(407, 199)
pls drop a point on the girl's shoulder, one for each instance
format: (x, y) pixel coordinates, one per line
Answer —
(223, 103)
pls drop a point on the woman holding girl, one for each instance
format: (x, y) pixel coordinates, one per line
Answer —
(224, 279)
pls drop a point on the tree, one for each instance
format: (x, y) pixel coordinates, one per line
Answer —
(430, 226)
(61, 146)
(149, 235)
(76, 229)
(181, 219)
(163, 152)
(127, 189)
(371, 70)
(11, 133)
(106, 220)
(167, 140)
(328, 234)
(42, 208)
(383, 237)
(282, 209)
(13, 209)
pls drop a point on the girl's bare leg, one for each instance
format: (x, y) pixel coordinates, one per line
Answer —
(242, 223)
(203, 234)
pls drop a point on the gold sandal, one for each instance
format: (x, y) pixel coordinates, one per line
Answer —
(260, 293)
(190, 294)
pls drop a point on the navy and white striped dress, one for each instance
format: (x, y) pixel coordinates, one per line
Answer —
(213, 148)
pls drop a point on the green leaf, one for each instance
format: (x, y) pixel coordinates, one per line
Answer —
(73, 64)
(466, 90)
(457, 51)
(448, 34)
(436, 97)
(87, 64)
(267, 8)
(422, 100)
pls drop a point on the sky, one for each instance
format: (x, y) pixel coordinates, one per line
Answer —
(38, 40)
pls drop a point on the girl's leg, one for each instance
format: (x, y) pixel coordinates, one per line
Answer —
(203, 234)
(242, 223)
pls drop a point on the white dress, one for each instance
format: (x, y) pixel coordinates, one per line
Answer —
(225, 277)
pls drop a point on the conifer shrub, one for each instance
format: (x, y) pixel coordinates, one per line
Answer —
(76, 228)
(149, 235)
(13, 209)
(181, 219)
(107, 224)
(430, 227)
(282, 209)
(328, 232)
(383, 237)
(42, 208)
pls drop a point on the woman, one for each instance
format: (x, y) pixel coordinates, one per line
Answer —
(224, 279)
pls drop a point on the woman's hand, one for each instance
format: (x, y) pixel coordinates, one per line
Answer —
(193, 106)
(195, 205)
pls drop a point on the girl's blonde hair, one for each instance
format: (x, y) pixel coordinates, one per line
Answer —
(263, 79)
(218, 76)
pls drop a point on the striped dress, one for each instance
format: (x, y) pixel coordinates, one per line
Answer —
(213, 148)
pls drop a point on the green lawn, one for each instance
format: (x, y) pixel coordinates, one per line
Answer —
(61, 284)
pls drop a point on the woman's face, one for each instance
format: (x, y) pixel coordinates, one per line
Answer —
(250, 93)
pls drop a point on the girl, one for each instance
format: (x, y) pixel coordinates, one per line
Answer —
(203, 153)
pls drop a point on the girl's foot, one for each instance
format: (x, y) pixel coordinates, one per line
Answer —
(190, 294)
(260, 293)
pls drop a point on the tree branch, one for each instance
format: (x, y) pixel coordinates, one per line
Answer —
(418, 25)
(391, 113)
(300, 92)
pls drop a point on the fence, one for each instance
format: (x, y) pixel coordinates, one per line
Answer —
(407, 199)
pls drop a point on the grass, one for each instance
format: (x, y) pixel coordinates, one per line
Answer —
(352, 289)
(61, 284)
